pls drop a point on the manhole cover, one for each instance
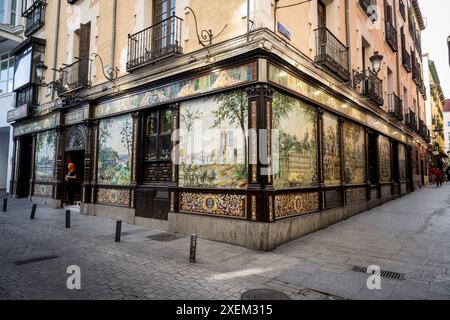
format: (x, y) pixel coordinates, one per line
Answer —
(164, 237)
(264, 294)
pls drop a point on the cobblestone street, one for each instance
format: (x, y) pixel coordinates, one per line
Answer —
(410, 236)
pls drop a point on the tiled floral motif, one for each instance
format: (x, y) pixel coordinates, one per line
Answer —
(42, 190)
(356, 195)
(116, 197)
(296, 203)
(233, 205)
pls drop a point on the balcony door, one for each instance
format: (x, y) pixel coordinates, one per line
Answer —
(164, 27)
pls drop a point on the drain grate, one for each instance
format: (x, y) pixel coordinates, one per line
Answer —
(164, 237)
(33, 260)
(383, 273)
(264, 294)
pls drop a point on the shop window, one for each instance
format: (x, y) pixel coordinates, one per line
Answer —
(158, 136)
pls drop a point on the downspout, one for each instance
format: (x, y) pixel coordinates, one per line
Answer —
(397, 53)
(248, 20)
(347, 39)
(113, 42)
(55, 47)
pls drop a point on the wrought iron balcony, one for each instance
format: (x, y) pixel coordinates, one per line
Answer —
(331, 53)
(366, 6)
(370, 86)
(411, 120)
(395, 106)
(34, 17)
(416, 73)
(76, 75)
(406, 60)
(159, 41)
(423, 130)
(391, 36)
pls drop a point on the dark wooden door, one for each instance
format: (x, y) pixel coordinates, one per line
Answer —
(83, 67)
(321, 15)
(24, 168)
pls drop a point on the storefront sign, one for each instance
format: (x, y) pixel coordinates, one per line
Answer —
(74, 116)
(17, 113)
(284, 31)
(186, 88)
(40, 125)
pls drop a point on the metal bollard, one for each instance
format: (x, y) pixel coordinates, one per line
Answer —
(33, 211)
(193, 248)
(67, 219)
(118, 230)
(5, 204)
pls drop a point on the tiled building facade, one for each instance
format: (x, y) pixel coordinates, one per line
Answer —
(163, 111)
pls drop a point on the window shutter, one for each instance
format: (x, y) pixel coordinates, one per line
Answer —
(85, 37)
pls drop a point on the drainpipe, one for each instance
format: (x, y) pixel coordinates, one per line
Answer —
(113, 42)
(397, 56)
(248, 20)
(55, 47)
(347, 38)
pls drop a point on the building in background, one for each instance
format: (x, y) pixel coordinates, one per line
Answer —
(435, 114)
(104, 84)
(11, 34)
(447, 126)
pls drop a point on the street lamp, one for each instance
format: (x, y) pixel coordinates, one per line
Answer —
(375, 59)
(41, 69)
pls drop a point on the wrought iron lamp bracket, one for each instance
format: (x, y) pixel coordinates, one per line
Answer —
(205, 37)
(111, 73)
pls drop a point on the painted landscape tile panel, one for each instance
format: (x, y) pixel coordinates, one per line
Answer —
(402, 161)
(384, 146)
(213, 142)
(354, 152)
(45, 156)
(331, 150)
(294, 147)
(182, 89)
(115, 147)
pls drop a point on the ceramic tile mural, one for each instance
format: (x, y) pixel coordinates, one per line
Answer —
(384, 146)
(213, 142)
(294, 147)
(331, 150)
(402, 161)
(45, 156)
(181, 89)
(354, 153)
(115, 147)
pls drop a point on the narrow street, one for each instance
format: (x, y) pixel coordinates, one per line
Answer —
(410, 236)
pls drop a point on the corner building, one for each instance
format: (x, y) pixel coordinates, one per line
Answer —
(347, 125)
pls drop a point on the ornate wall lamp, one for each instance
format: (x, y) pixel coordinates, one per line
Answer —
(205, 37)
(56, 85)
(359, 76)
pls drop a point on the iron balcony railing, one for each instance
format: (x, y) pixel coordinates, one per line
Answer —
(34, 17)
(411, 120)
(368, 6)
(371, 86)
(331, 53)
(156, 42)
(76, 75)
(423, 130)
(402, 9)
(416, 73)
(395, 106)
(406, 60)
(391, 36)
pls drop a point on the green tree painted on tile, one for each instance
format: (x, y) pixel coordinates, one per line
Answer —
(45, 156)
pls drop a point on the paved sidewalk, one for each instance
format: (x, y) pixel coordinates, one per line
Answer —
(410, 235)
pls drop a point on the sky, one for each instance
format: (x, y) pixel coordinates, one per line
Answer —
(434, 37)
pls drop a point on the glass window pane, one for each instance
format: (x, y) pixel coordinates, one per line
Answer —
(165, 121)
(4, 70)
(152, 124)
(164, 141)
(150, 152)
(4, 87)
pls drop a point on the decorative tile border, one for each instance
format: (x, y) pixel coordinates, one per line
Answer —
(232, 205)
(356, 195)
(43, 190)
(291, 204)
(116, 197)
